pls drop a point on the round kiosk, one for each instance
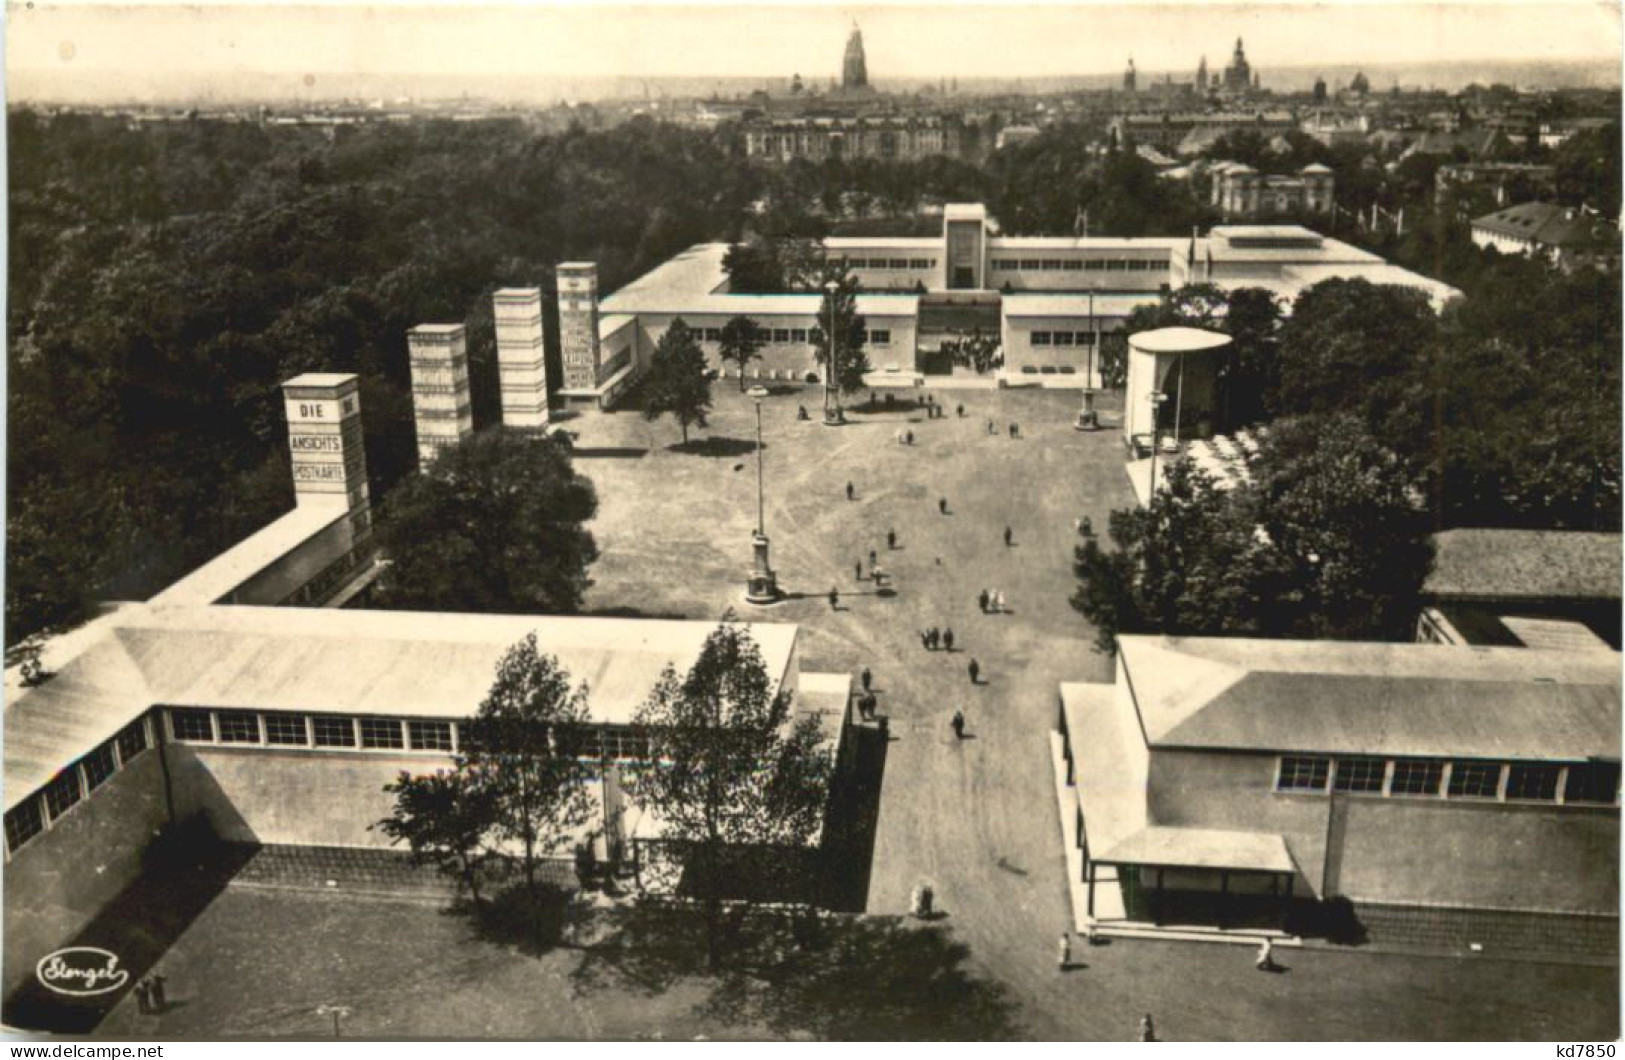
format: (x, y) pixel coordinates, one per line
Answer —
(1172, 381)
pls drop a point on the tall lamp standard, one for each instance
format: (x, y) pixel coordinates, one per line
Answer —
(833, 416)
(1088, 418)
(763, 585)
(1156, 397)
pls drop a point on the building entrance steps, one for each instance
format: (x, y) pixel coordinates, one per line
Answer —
(1110, 918)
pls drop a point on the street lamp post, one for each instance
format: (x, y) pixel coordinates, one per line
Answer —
(833, 416)
(1156, 397)
(1088, 418)
(763, 585)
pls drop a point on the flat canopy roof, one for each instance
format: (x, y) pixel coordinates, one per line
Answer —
(384, 663)
(1202, 848)
(1177, 340)
(1330, 697)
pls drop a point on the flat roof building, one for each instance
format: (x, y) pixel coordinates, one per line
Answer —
(1047, 299)
(1225, 782)
(1523, 588)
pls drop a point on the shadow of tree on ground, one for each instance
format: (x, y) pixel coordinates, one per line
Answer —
(714, 447)
(819, 976)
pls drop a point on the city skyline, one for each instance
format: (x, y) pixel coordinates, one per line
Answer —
(206, 49)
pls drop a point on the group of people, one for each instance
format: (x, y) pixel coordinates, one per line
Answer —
(904, 437)
(991, 601)
(935, 638)
(1015, 429)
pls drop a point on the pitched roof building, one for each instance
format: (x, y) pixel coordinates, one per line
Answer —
(1567, 237)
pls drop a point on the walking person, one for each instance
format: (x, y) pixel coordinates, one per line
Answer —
(857, 571)
(948, 639)
(1148, 1033)
(1266, 956)
(960, 409)
(975, 671)
(998, 599)
(867, 678)
(834, 599)
(143, 997)
(936, 637)
(891, 540)
(849, 491)
(959, 724)
(981, 601)
(942, 505)
(155, 991)
(1066, 951)
(872, 557)
(1008, 535)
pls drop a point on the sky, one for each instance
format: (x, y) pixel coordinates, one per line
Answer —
(904, 40)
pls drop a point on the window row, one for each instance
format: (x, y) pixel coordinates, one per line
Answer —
(1078, 265)
(193, 725)
(277, 729)
(775, 336)
(792, 336)
(886, 263)
(1585, 783)
(1063, 338)
(31, 816)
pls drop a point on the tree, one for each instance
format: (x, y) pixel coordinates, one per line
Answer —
(520, 752)
(445, 818)
(738, 783)
(742, 341)
(1327, 539)
(1353, 346)
(679, 381)
(1249, 372)
(851, 331)
(495, 524)
(1349, 545)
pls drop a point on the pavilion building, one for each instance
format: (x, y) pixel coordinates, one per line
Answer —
(1231, 783)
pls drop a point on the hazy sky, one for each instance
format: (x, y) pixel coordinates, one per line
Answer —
(902, 40)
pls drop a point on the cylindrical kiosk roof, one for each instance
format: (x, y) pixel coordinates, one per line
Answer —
(1177, 340)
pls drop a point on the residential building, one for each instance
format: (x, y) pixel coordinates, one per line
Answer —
(1566, 237)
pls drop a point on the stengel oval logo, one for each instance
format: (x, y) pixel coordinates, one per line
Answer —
(81, 971)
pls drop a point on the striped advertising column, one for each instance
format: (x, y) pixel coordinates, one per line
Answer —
(440, 402)
(521, 363)
(578, 324)
(324, 438)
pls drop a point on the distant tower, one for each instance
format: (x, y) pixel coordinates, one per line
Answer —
(1238, 76)
(1130, 79)
(854, 70)
(1201, 75)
